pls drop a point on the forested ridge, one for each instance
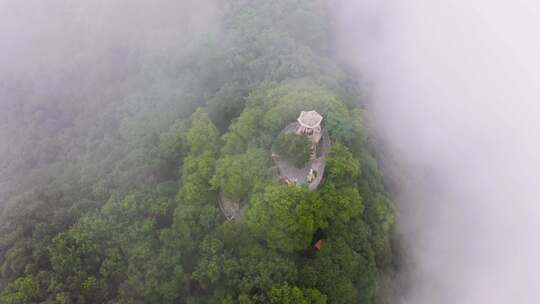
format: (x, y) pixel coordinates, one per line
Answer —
(109, 185)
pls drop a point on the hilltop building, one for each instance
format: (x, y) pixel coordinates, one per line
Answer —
(308, 124)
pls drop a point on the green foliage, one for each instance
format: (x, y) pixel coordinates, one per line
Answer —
(341, 204)
(245, 132)
(22, 291)
(237, 175)
(272, 106)
(112, 199)
(344, 270)
(232, 262)
(197, 211)
(341, 166)
(292, 295)
(196, 173)
(294, 148)
(209, 268)
(286, 217)
(202, 136)
(172, 143)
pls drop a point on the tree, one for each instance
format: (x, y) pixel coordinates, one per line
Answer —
(209, 266)
(341, 203)
(286, 217)
(203, 136)
(341, 166)
(237, 175)
(240, 266)
(196, 175)
(286, 294)
(244, 132)
(332, 272)
(294, 148)
(172, 143)
(22, 291)
(197, 211)
(199, 164)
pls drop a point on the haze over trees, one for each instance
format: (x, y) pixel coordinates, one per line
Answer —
(114, 173)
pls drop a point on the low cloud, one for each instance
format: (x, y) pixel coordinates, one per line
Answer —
(455, 91)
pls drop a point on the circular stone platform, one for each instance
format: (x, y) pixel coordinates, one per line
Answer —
(286, 172)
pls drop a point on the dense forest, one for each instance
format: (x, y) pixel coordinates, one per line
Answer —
(109, 179)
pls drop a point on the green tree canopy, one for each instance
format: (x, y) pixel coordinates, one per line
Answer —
(22, 291)
(286, 217)
(341, 204)
(203, 136)
(286, 294)
(341, 166)
(237, 175)
(294, 148)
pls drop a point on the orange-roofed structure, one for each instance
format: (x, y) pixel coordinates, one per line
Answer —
(318, 245)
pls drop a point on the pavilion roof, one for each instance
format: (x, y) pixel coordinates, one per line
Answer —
(310, 119)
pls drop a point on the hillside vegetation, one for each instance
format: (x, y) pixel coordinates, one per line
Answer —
(113, 198)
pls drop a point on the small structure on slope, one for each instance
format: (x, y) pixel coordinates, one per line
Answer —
(317, 244)
(231, 209)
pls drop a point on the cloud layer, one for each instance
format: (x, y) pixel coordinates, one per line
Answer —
(456, 97)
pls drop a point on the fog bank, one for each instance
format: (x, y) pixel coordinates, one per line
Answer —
(456, 89)
(61, 58)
